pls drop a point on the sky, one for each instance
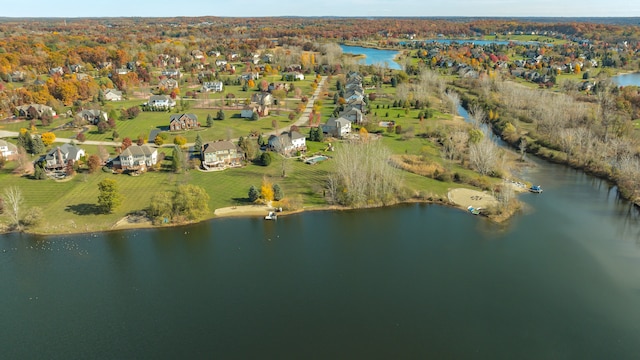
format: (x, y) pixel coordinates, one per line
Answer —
(244, 8)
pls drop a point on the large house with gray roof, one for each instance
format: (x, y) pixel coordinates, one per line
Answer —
(220, 154)
(136, 158)
(58, 157)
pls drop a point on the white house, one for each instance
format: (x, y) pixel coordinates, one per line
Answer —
(161, 102)
(221, 62)
(288, 142)
(137, 157)
(337, 127)
(113, 95)
(215, 86)
(172, 73)
(7, 150)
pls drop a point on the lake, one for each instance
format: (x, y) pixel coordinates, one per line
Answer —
(560, 280)
(631, 79)
(374, 56)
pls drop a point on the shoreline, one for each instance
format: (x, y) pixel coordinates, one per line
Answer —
(261, 211)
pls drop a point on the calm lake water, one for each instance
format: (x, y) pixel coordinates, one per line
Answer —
(414, 281)
(627, 79)
(374, 56)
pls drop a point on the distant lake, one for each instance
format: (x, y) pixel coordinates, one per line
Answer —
(374, 56)
(632, 79)
(475, 42)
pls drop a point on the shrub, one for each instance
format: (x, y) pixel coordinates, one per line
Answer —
(265, 158)
(179, 140)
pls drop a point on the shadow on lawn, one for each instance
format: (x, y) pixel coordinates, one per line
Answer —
(84, 209)
(241, 201)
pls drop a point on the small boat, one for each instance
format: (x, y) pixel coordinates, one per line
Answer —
(537, 189)
(271, 216)
(474, 211)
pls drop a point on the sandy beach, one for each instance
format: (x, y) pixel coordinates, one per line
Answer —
(467, 197)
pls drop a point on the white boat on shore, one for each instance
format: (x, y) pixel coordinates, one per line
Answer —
(271, 216)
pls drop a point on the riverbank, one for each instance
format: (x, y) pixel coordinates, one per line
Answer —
(459, 198)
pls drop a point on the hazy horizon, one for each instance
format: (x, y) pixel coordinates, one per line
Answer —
(329, 8)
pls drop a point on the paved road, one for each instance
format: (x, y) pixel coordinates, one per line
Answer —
(302, 120)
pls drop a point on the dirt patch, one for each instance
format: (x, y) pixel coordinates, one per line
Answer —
(133, 221)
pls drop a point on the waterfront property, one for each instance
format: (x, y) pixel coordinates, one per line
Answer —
(136, 158)
(221, 154)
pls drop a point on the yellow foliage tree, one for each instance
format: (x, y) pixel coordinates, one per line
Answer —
(577, 69)
(48, 138)
(266, 190)
(364, 134)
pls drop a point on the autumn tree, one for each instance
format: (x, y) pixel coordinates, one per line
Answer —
(94, 162)
(48, 138)
(126, 142)
(179, 140)
(108, 197)
(190, 202)
(266, 191)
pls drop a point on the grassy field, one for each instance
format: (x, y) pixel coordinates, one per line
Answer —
(70, 206)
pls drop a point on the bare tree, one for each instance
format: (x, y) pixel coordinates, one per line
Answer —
(14, 200)
(364, 175)
(606, 106)
(483, 155)
(452, 99)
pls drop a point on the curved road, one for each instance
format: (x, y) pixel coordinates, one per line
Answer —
(304, 117)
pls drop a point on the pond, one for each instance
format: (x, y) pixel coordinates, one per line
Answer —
(631, 79)
(374, 56)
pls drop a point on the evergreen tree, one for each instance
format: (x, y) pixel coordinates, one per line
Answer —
(37, 146)
(177, 162)
(220, 115)
(265, 158)
(254, 194)
(38, 171)
(209, 120)
(261, 140)
(277, 193)
(197, 147)
(25, 141)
